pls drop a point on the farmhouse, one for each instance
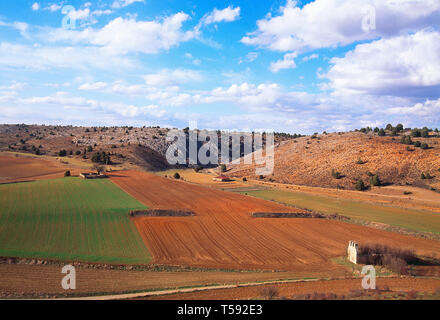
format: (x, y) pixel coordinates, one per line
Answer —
(352, 252)
(222, 179)
(92, 175)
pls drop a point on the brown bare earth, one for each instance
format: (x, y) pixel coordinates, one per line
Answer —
(38, 280)
(307, 161)
(224, 235)
(290, 290)
(15, 168)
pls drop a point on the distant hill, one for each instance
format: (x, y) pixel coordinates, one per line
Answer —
(353, 155)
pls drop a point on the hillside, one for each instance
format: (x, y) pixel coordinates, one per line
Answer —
(143, 147)
(355, 155)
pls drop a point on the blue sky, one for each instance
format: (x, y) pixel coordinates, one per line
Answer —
(293, 66)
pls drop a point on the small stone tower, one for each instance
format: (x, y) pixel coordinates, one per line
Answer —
(352, 252)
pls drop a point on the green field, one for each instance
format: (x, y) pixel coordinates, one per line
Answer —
(70, 219)
(422, 221)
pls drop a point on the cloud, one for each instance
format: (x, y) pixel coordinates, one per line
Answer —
(122, 36)
(51, 57)
(117, 4)
(168, 77)
(332, 23)
(54, 7)
(36, 6)
(93, 86)
(288, 62)
(403, 66)
(228, 14)
(311, 57)
(22, 27)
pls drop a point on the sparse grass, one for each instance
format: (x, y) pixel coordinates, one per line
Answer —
(70, 219)
(416, 220)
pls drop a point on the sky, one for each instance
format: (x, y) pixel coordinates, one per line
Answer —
(285, 65)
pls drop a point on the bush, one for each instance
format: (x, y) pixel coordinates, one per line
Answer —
(375, 181)
(78, 152)
(360, 185)
(422, 176)
(244, 179)
(417, 144)
(381, 133)
(62, 153)
(269, 292)
(424, 146)
(176, 176)
(67, 173)
(223, 168)
(406, 140)
(336, 174)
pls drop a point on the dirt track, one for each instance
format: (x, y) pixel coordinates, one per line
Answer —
(224, 235)
(290, 290)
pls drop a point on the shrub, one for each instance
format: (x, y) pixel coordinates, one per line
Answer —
(424, 146)
(223, 168)
(244, 179)
(360, 185)
(336, 174)
(176, 176)
(417, 144)
(406, 140)
(62, 153)
(78, 152)
(269, 292)
(360, 161)
(375, 181)
(67, 173)
(422, 176)
(381, 133)
(261, 177)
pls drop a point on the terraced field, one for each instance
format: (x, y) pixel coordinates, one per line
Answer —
(70, 219)
(417, 220)
(223, 234)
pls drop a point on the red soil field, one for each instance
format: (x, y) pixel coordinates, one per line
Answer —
(17, 168)
(224, 235)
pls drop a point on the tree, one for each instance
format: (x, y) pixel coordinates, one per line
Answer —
(416, 133)
(223, 168)
(375, 181)
(399, 127)
(389, 127)
(90, 149)
(381, 133)
(360, 185)
(406, 140)
(424, 146)
(98, 168)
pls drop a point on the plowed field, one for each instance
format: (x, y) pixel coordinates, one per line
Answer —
(14, 169)
(224, 235)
